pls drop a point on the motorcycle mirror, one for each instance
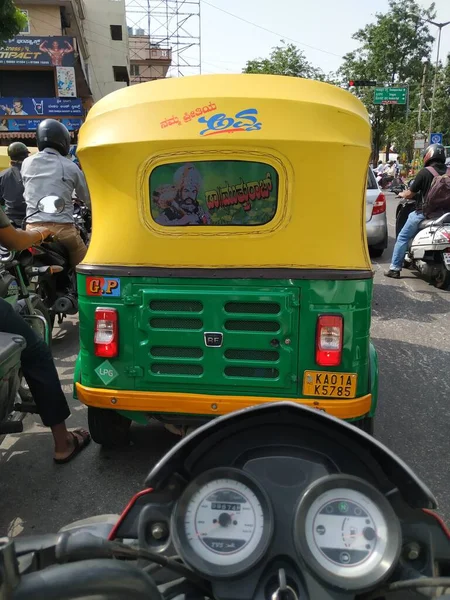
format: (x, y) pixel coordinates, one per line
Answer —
(51, 205)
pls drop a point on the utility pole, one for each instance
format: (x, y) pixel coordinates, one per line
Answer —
(440, 26)
(422, 93)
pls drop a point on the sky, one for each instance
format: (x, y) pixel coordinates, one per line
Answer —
(321, 28)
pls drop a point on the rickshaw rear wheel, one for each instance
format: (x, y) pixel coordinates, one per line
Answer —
(108, 428)
(366, 424)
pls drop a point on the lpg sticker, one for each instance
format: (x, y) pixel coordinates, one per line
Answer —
(106, 372)
(103, 286)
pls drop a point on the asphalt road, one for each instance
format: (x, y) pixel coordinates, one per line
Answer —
(411, 322)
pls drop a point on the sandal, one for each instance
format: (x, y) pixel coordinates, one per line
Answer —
(78, 446)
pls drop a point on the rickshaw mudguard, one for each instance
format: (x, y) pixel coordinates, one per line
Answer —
(374, 377)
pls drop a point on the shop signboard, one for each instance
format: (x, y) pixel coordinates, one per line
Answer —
(24, 124)
(29, 50)
(48, 107)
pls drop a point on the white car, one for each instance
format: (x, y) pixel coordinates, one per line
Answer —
(376, 221)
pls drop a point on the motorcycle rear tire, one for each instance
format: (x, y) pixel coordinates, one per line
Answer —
(442, 281)
(108, 428)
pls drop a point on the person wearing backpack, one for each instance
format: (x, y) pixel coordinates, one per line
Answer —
(431, 190)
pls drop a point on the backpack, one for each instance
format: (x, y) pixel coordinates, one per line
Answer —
(438, 197)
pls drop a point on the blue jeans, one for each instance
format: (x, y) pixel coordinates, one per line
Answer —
(410, 228)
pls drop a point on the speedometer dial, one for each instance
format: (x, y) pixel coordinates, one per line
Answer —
(347, 532)
(222, 523)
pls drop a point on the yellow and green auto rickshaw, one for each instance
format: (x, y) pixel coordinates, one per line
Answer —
(228, 264)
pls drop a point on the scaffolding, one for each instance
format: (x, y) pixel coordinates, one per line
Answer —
(169, 25)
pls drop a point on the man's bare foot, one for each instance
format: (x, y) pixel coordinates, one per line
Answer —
(76, 441)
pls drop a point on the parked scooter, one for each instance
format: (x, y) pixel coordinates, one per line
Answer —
(429, 251)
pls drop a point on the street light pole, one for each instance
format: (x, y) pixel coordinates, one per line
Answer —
(440, 26)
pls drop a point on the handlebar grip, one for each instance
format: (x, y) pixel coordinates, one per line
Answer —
(105, 578)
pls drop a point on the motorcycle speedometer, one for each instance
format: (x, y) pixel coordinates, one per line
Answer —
(222, 523)
(347, 532)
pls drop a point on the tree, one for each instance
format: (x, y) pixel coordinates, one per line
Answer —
(12, 20)
(284, 60)
(390, 51)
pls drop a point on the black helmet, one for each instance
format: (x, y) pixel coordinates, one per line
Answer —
(18, 151)
(434, 153)
(53, 134)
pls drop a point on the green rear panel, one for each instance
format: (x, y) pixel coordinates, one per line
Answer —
(268, 328)
(254, 354)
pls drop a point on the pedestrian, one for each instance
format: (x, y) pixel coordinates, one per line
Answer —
(11, 185)
(37, 363)
(50, 172)
(434, 165)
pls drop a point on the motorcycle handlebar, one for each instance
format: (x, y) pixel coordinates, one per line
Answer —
(99, 578)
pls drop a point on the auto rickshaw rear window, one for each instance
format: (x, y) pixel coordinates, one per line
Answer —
(213, 192)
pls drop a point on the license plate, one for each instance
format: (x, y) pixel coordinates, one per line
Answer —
(447, 258)
(329, 385)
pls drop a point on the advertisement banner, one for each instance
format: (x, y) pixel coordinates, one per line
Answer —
(220, 192)
(29, 50)
(49, 107)
(65, 79)
(13, 124)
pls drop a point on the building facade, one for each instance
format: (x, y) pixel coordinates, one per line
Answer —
(148, 61)
(71, 54)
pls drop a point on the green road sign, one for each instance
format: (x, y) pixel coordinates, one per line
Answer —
(397, 95)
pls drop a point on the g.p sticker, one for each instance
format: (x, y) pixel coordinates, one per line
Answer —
(103, 286)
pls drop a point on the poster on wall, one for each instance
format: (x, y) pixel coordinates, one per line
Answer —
(65, 81)
(51, 51)
(49, 107)
(13, 124)
(220, 192)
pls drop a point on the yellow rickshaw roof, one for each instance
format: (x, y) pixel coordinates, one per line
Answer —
(271, 87)
(290, 139)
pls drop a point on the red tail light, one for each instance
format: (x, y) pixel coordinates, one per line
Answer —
(329, 340)
(379, 206)
(106, 336)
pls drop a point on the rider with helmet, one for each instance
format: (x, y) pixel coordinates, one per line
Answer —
(11, 185)
(434, 164)
(50, 172)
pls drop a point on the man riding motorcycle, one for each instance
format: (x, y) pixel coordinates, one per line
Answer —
(434, 164)
(49, 172)
(11, 185)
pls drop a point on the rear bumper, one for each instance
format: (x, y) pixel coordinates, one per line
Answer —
(207, 405)
(376, 230)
